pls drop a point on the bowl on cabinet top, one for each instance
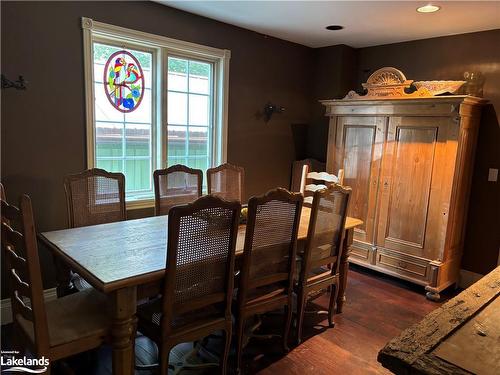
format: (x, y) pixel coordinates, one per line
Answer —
(439, 87)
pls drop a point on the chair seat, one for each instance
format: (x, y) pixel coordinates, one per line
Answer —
(79, 282)
(74, 317)
(264, 293)
(150, 313)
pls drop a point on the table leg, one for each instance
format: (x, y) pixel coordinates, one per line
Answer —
(344, 268)
(123, 330)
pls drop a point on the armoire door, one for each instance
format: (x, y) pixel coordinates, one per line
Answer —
(359, 142)
(415, 185)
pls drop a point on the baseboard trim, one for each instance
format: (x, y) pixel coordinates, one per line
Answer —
(467, 278)
(6, 311)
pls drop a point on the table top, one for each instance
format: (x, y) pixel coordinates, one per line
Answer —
(460, 337)
(132, 252)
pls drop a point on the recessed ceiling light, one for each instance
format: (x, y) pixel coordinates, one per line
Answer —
(429, 8)
(334, 27)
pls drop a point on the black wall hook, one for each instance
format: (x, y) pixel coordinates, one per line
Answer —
(270, 109)
(20, 84)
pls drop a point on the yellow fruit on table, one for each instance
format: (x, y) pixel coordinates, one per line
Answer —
(244, 214)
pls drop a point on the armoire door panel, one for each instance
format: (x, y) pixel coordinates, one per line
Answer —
(411, 176)
(361, 140)
(410, 196)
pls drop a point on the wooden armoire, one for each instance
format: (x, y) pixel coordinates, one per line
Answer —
(409, 160)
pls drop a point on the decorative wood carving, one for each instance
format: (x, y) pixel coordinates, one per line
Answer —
(388, 82)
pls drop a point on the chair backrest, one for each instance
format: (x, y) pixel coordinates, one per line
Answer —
(297, 168)
(176, 185)
(19, 247)
(326, 230)
(200, 258)
(226, 181)
(3, 197)
(270, 242)
(313, 181)
(95, 196)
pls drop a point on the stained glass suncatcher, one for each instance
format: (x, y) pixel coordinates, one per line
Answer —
(123, 81)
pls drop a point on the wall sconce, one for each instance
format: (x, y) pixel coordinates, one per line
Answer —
(20, 84)
(270, 109)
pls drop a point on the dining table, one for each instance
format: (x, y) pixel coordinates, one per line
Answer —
(126, 260)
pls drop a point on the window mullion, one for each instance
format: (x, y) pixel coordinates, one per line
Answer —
(186, 152)
(124, 145)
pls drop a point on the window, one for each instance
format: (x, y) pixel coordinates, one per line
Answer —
(152, 102)
(190, 122)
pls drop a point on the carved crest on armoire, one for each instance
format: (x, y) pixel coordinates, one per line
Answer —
(408, 157)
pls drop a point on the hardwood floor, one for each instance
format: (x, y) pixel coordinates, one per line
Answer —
(378, 308)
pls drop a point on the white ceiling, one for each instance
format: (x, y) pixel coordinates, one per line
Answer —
(366, 23)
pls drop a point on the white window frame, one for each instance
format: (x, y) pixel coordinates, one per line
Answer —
(94, 31)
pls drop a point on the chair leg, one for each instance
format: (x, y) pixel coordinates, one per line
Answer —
(227, 347)
(17, 341)
(239, 345)
(288, 323)
(164, 356)
(301, 307)
(331, 307)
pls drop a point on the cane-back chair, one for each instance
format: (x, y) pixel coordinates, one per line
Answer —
(198, 287)
(226, 181)
(267, 273)
(55, 329)
(176, 185)
(93, 197)
(323, 250)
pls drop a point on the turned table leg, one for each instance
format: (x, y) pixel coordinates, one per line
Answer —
(344, 268)
(123, 329)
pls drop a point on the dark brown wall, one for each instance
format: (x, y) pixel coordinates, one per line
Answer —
(43, 128)
(334, 74)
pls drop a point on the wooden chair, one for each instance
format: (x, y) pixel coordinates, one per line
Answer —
(94, 196)
(313, 181)
(267, 272)
(226, 181)
(297, 168)
(176, 185)
(56, 329)
(3, 197)
(2, 192)
(323, 249)
(198, 287)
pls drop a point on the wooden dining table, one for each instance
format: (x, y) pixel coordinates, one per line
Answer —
(126, 260)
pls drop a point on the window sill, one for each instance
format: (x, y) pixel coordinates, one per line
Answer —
(140, 204)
